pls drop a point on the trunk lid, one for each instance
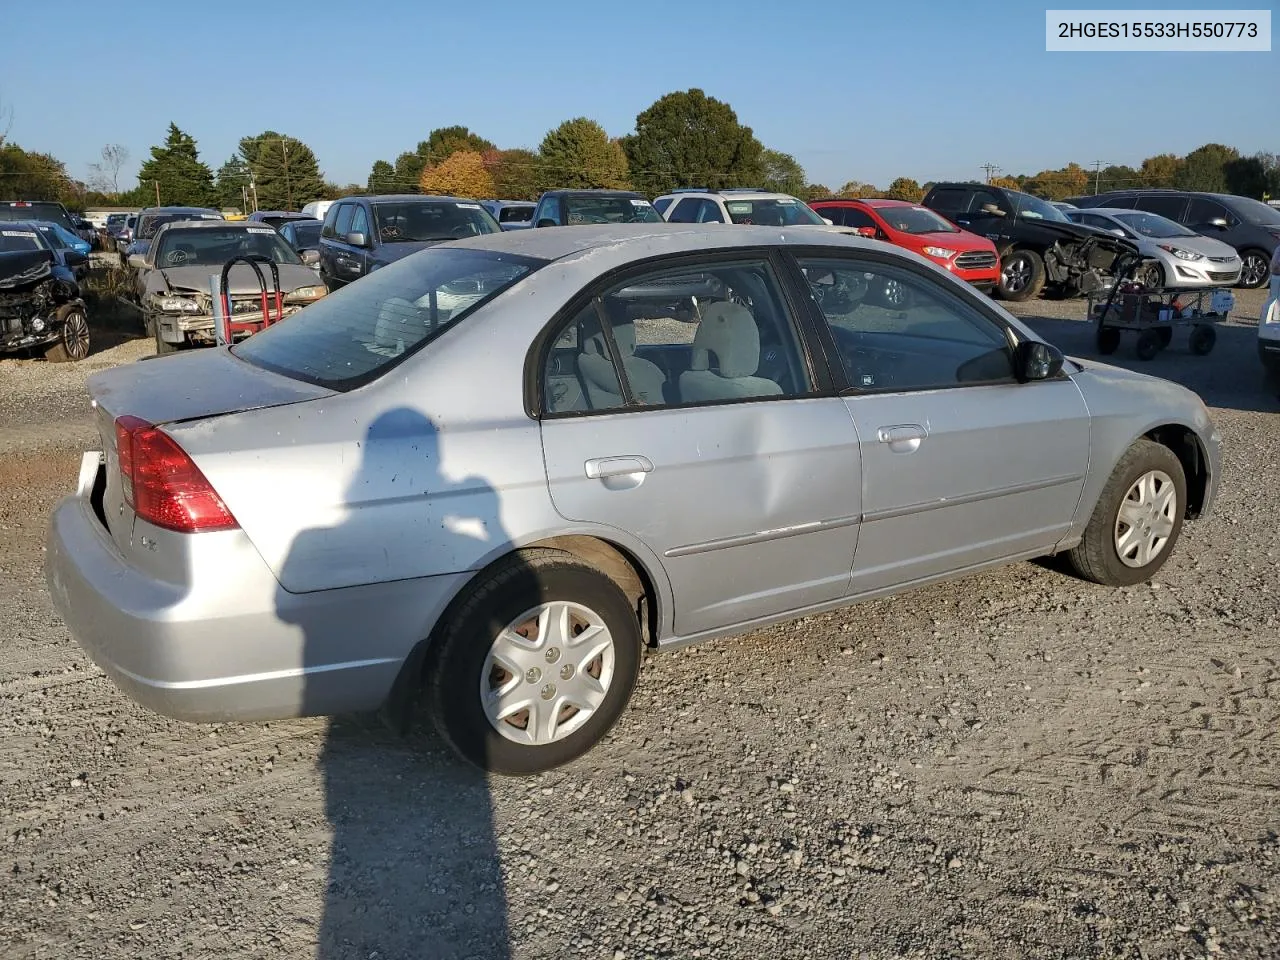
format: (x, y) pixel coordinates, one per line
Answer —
(184, 386)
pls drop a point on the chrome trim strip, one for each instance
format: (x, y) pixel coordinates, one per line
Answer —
(890, 513)
(763, 536)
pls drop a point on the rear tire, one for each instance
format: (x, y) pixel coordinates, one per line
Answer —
(1021, 276)
(1255, 269)
(463, 682)
(1117, 513)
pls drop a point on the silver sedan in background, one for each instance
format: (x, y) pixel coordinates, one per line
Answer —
(485, 478)
(1178, 258)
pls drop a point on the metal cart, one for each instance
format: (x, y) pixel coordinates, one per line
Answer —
(1153, 314)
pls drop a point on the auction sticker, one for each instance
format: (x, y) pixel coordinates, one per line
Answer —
(468, 206)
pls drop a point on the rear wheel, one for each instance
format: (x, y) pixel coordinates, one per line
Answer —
(1152, 276)
(536, 665)
(73, 345)
(1021, 275)
(1255, 269)
(1137, 519)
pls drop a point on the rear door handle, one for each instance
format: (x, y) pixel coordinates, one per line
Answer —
(602, 467)
(903, 437)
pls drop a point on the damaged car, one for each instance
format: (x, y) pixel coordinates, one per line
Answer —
(173, 279)
(1040, 249)
(40, 304)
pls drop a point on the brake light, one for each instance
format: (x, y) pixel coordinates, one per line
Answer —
(163, 484)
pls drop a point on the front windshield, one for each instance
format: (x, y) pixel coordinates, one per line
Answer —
(607, 209)
(411, 221)
(1153, 225)
(772, 212)
(1255, 211)
(1033, 208)
(16, 241)
(351, 336)
(213, 247)
(915, 220)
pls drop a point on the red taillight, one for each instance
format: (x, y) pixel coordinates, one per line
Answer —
(162, 484)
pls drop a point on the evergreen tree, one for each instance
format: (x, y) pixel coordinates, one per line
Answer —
(232, 177)
(183, 179)
(285, 170)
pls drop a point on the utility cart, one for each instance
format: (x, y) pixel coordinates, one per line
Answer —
(1154, 313)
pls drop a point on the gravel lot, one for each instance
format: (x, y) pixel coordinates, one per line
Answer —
(1015, 765)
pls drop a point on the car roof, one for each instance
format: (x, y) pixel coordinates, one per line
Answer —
(401, 197)
(209, 225)
(592, 192)
(730, 193)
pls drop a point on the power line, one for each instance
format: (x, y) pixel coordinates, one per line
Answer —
(990, 168)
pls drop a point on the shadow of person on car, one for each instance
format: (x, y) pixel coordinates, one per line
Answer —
(414, 867)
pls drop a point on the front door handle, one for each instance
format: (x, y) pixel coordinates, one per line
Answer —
(604, 467)
(902, 438)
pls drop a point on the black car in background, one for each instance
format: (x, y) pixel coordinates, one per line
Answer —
(49, 211)
(362, 233)
(1040, 249)
(1251, 226)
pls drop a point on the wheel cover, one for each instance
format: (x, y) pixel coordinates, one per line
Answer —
(1145, 520)
(1016, 274)
(547, 673)
(75, 335)
(1253, 269)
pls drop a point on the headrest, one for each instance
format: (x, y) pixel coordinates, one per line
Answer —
(624, 335)
(729, 331)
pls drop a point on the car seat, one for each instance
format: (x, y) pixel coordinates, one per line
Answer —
(645, 377)
(728, 331)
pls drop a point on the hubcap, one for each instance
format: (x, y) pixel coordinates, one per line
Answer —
(75, 335)
(1146, 517)
(1016, 274)
(547, 673)
(1253, 270)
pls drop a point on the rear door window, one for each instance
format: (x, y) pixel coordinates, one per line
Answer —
(1204, 211)
(950, 199)
(1165, 206)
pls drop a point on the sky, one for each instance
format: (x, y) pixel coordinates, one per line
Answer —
(854, 90)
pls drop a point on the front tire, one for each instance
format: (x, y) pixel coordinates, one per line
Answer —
(536, 665)
(1255, 269)
(1021, 276)
(1137, 519)
(73, 345)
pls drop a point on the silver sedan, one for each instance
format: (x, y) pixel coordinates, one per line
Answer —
(483, 480)
(1178, 258)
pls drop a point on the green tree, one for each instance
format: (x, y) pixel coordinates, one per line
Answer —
(1204, 168)
(815, 191)
(904, 188)
(231, 178)
(1068, 181)
(1115, 177)
(33, 176)
(1246, 176)
(579, 154)
(855, 189)
(382, 178)
(782, 173)
(517, 173)
(285, 171)
(1162, 170)
(183, 178)
(689, 139)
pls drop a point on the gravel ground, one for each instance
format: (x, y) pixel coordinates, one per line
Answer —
(1014, 765)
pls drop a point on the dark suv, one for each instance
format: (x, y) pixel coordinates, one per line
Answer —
(1251, 226)
(361, 234)
(565, 208)
(1040, 249)
(49, 211)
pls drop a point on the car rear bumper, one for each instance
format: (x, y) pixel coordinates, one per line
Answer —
(231, 648)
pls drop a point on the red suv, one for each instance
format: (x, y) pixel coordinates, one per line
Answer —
(920, 230)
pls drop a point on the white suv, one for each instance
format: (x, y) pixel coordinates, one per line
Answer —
(693, 205)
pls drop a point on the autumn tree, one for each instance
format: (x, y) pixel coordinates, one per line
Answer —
(904, 188)
(285, 170)
(1006, 183)
(782, 173)
(855, 190)
(461, 174)
(687, 138)
(183, 178)
(578, 154)
(815, 191)
(517, 173)
(1161, 170)
(440, 144)
(1068, 181)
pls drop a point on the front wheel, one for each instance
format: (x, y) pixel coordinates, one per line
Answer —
(536, 665)
(1137, 519)
(73, 344)
(1021, 276)
(1255, 269)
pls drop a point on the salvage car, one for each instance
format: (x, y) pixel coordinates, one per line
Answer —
(909, 225)
(1177, 258)
(153, 218)
(40, 304)
(48, 210)
(173, 279)
(1039, 248)
(626, 478)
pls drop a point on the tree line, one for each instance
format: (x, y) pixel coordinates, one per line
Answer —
(685, 138)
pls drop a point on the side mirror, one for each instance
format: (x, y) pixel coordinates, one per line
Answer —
(137, 261)
(1117, 231)
(311, 257)
(547, 222)
(1219, 222)
(868, 232)
(357, 239)
(1035, 360)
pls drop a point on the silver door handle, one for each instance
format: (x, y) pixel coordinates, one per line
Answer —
(602, 467)
(903, 438)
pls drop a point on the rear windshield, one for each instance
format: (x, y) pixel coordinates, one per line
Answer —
(36, 210)
(1255, 211)
(773, 212)
(515, 214)
(608, 209)
(359, 332)
(307, 234)
(114, 218)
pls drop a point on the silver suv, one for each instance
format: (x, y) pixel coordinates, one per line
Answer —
(739, 205)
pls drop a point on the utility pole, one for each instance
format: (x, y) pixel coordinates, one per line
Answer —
(990, 168)
(1097, 174)
(157, 183)
(253, 188)
(288, 186)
